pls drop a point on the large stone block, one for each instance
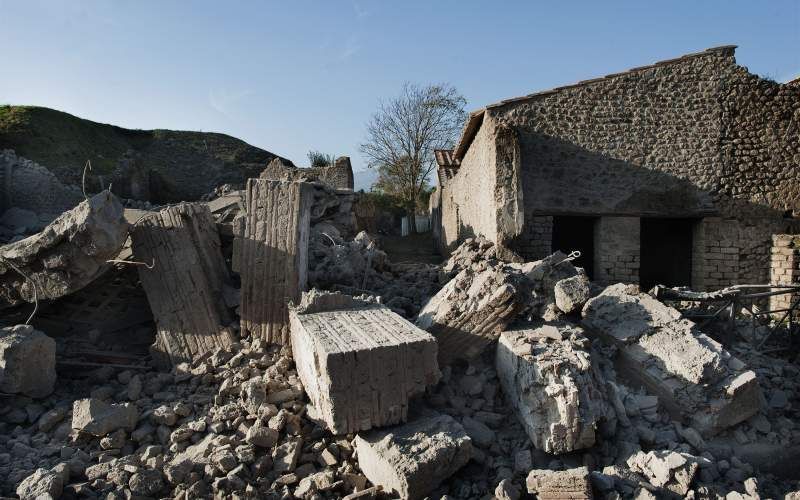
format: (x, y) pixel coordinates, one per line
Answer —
(411, 460)
(186, 282)
(547, 374)
(27, 361)
(272, 255)
(694, 376)
(96, 417)
(359, 362)
(67, 255)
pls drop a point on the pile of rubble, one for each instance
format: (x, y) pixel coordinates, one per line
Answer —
(291, 359)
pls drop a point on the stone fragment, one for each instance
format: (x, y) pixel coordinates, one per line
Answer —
(27, 361)
(412, 459)
(67, 255)
(557, 485)
(42, 483)
(285, 456)
(547, 374)
(184, 286)
(471, 310)
(262, 436)
(571, 293)
(360, 364)
(666, 469)
(272, 255)
(689, 372)
(506, 490)
(99, 418)
(146, 483)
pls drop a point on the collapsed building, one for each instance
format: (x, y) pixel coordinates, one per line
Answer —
(286, 356)
(675, 173)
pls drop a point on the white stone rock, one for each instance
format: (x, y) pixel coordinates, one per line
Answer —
(27, 361)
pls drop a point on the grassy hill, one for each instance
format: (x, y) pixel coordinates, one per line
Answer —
(181, 165)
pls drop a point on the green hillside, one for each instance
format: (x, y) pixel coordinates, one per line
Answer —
(184, 164)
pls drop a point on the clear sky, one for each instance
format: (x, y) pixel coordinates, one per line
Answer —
(291, 76)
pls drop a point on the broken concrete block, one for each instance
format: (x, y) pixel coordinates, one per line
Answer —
(472, 309)
(694, 377)
(99, 418)
(411, 460)
(185, 285)
(27, 361)
(360, 364)
(563, 484)
(666, 469)
(65, 256)
(273, 255)
(571, 293)
(42, 483)
(547, 374)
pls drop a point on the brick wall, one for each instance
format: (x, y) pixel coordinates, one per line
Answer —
(617, 251)
(784, 267)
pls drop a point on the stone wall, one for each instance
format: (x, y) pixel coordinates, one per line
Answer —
(784, 268)
(338, 176)
(695, 137)
(28, 185)
(469, 202)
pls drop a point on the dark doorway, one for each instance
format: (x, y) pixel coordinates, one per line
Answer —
(666, 252)
(576, 233)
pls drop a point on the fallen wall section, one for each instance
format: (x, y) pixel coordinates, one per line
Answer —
(184, 287)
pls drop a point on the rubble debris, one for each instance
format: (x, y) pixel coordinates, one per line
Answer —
(693, 375)
(42, 483)
(548, 376)
(27, 361)
(98, 418)
(562, 484)
(185, 285)
(571, 293)
(273, 255)
(666, 469)
(412, 459)
(359, 362)
(66, 255)
(472, 309)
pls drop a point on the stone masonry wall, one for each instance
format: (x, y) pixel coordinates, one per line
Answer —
(784, 267)
(28, 185)
(471, 193)
(697, 137)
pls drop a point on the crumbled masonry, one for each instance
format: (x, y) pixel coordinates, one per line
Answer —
(548, 375)
(550, 387)
(185, 285)
(693, 375)
(273, 255)
(66, 255)
(27, 361)
(410, 460)
(359, 362)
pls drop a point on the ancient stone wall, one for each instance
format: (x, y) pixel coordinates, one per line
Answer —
(338, 176)
(695, 137)
(617, 256)
(470, 206)
(28, 185)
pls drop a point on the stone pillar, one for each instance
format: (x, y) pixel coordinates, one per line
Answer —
(784, 269)
(617, 250)
(184, 287)
(273, 255)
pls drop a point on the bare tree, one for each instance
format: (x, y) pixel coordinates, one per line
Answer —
(403, 134)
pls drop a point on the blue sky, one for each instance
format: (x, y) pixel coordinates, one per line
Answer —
(297, 75)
